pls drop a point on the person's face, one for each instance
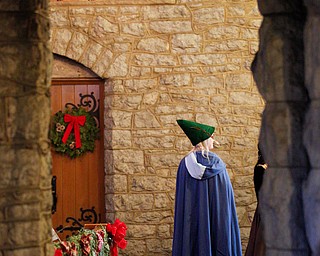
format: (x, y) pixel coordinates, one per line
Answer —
(210, 142)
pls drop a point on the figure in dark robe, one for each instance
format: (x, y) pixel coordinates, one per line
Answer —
(205, 220)
(256, 245)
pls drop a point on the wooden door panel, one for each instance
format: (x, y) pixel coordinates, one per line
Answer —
(79, 181)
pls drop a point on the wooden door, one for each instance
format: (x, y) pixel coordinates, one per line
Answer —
(78, 184)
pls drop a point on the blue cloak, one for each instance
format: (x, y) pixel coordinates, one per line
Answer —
(205, 220)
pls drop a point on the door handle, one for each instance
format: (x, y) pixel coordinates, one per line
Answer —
(54, 194)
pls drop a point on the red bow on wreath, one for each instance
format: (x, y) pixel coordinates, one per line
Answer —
(74, 123)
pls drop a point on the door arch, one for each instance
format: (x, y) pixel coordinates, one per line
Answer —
(78, 184)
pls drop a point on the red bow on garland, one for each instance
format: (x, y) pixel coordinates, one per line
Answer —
(58, 252)
(74, 123)
(118, 231)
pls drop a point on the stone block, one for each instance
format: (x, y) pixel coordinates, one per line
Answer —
(282, 208)
(140, 85)
(239, 81)
(121, 47)
(186, 43)
(136, 247)
(243, 181)
(209, 16)
(140, 72)
(142, 231)
(151, 98)
(62, 38)
(223, 32)
(278, 7)
(60, 19)
(17, 233)
(128, 161)
(18, 25)
(6, 166)
(80, 23)
(243, 196)
(141, 201)
(281, 133)
(158, 12)
(164, 231)
(106, 10)
(22, 212)
(4, 229)
(312, 40)
(146, 119)
(134, 29)
(26, 173)
(101, 27)
(244, 98)
(164, 159)
(162, 201)
(119, 67)
(170, 27)
(227, 46)
(249, 33)
(175, 80)
(208, 82)
(311, 134)
(10, 6)
(312, 4)
(129, 9)
(77, 45)
(24, 251)
(255, 113)
(91, 54)
(236, 10)
(154, 142)
(204, 59)
(46, 197)
(150, 217)
(311, 197)
(118, 139)
(144, 59)
(279, 66)
(128, 101)
(129, 202)
(218, 100)
(153, 45)
(103, 62)
(116, 183)
(151, 183)
(118, 119)
(190, 98)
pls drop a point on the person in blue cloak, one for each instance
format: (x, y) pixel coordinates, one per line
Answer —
(205, 218)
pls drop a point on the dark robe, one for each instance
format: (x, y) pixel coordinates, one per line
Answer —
(256, 245)
(205, 221)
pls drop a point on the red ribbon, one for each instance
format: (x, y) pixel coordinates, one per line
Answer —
(74, 123)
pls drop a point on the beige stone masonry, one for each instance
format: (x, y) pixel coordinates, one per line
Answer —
(165, 60)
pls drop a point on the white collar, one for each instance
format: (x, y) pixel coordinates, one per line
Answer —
(195, 169)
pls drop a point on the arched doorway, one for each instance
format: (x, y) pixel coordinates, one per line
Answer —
(78, 183)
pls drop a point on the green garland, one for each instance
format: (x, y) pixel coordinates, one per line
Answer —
(86, 242)
(89, 132)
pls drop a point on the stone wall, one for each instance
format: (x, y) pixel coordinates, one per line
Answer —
(164, 60)
(312, 127)
(285, 71)
(25, 183)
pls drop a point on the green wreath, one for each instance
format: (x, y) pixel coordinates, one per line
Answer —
(88, 132)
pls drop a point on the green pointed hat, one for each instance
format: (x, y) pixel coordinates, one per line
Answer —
(196, 132)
